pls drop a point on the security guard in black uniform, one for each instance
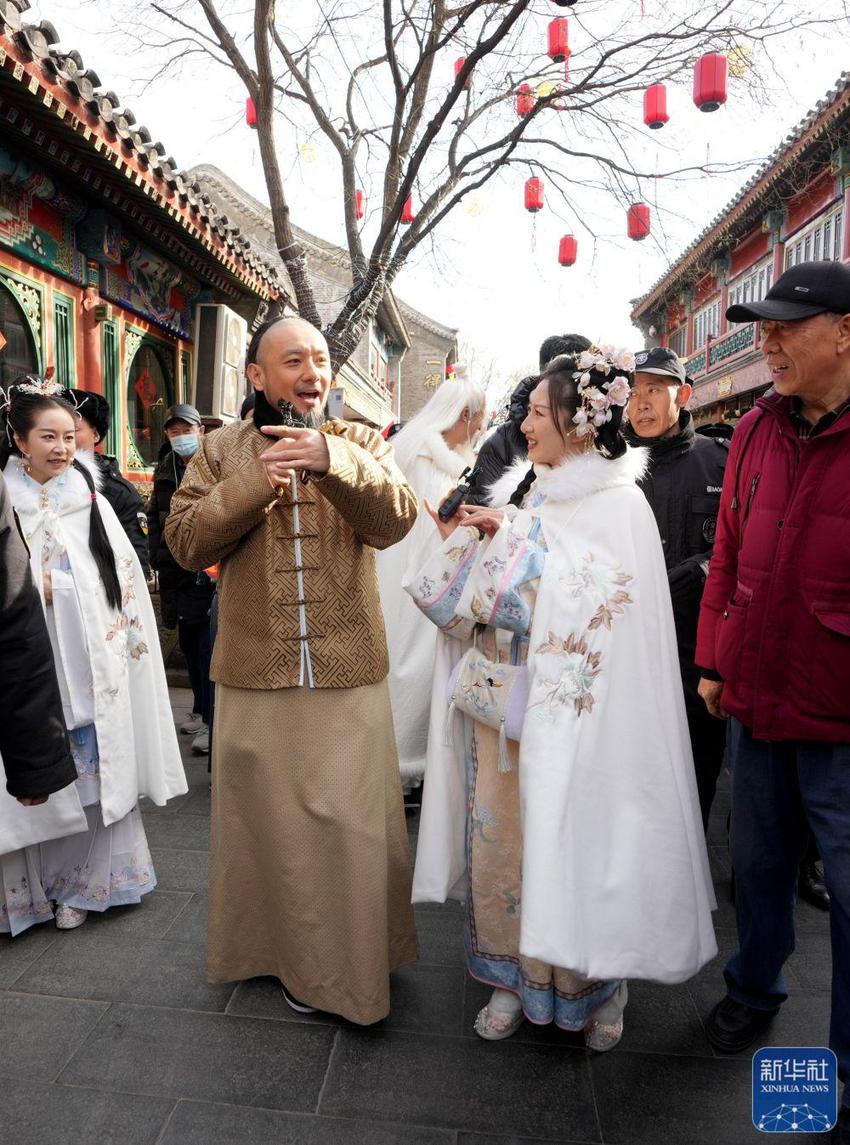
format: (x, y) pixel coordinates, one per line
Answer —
(683, 488)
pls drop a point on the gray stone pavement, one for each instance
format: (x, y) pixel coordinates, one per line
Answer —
(111, 1034)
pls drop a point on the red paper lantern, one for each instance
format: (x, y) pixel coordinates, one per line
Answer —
(655, 106)
(359, 204)
(559, 39)
(710, 73)
(567, 250)
(524, 100)
(459, 64)
(534, 194)
(567, 67)
(638, 221)
(407, 215)
(250, 113)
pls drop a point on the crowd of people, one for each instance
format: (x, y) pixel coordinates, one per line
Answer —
(557, 660)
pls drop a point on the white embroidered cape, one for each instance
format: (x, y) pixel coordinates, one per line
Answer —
(137, 743)
(616, 881)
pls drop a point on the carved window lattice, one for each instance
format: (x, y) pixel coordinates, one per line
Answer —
(29, 298)
(696, 364)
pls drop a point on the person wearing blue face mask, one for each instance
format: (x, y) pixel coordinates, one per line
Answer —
(185, 597)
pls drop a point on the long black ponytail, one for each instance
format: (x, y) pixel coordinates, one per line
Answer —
(99, 545)
(518, 495)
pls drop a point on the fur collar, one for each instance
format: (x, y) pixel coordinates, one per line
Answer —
(452, 462)
(574, 478)
(67, 492)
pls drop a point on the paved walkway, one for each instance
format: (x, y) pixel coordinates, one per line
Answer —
(111, 1034)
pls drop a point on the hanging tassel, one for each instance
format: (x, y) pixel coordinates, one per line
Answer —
(505, 763)
(447, 735)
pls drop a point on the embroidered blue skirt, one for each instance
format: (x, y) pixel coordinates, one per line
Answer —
(93, 870)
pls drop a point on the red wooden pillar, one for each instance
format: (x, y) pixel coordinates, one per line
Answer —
(724, 302)
(90, 335)
(778, 259)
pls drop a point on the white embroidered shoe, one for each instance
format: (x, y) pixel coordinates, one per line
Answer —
(69, 918)
(603, 1036)
(501, 1017)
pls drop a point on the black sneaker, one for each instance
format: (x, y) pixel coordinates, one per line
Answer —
(731, 1026)
(294, 1004)
(811, 885)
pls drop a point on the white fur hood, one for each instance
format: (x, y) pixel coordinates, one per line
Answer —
(68, 491)
(574, 478)
(450, 461)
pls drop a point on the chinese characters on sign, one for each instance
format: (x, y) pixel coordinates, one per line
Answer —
(794, 1089)
(435, 373)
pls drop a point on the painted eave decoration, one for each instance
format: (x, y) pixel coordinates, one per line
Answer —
(74, 96)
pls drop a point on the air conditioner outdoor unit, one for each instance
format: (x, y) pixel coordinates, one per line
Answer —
(218, 380)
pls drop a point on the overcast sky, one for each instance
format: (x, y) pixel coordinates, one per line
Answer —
(496, 277)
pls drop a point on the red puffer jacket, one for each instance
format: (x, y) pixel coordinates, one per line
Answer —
(775, 617)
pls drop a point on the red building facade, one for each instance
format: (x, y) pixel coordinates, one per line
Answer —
(795, 209)
(106, 248)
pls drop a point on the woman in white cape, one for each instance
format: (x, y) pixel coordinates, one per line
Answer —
(84, 848)
(432, 451)
(579, 848)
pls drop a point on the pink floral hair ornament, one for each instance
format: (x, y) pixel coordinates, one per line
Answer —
(602, 383)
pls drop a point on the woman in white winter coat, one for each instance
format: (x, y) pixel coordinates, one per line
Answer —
(84, 848)
(567, 816)
(432, 451)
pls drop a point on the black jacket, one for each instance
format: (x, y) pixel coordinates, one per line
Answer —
(183, 595)
(683, 489)
(503, 447)
(33, 740)
(128, 505)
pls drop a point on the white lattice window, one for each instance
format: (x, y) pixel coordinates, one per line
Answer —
(678, 341)
(706, 323)
(818, 241)
(753, 284)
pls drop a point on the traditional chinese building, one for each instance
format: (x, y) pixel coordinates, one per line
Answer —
(404, 355)
(106, 248)
(796, 208)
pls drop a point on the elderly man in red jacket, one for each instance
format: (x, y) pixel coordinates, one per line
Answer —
(774, 646)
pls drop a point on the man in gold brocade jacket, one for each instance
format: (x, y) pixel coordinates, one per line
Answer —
(309, 874)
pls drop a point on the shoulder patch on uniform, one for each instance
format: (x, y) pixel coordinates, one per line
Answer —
(143, 521)
(723, 442)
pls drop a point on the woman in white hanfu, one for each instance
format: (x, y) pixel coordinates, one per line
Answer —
(84, 848)
(432, 450)
(579, 849)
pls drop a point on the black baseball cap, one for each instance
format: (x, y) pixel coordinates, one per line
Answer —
(804, 290)
(659, 360)
(183, 413)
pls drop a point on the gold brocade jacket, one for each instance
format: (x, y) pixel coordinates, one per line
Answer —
(226, 512)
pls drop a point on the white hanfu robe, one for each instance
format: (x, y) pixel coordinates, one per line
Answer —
(586, 864)
(86, 846)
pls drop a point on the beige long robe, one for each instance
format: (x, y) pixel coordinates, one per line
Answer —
(310, 874)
